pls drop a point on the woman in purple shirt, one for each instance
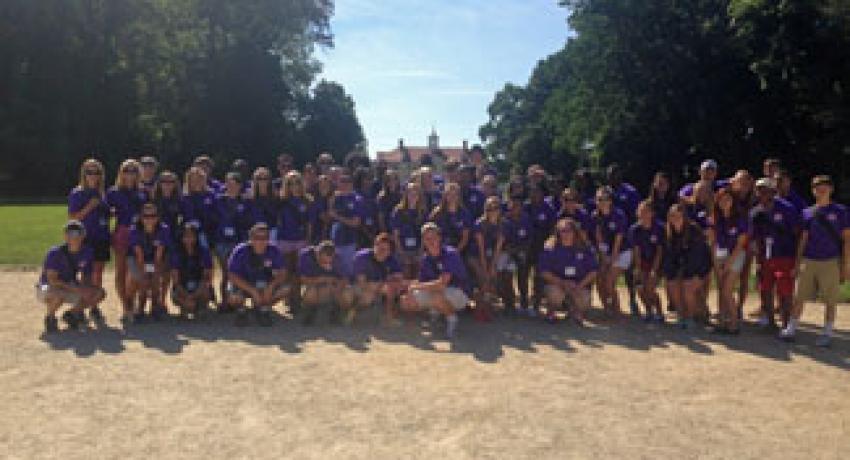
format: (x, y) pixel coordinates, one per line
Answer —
(647, 237)
(146, 261)
(453, 219)
(166, 197)
(388, 198)
(86, 203)
(197, 204)
(406, 222)
(612, 245)
(571, 208)
(728, 240)
(124, 199)
(485, 257)
(568, 268)
(517, 229)
(295, 223)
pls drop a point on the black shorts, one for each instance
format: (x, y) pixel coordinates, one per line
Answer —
(100, 249)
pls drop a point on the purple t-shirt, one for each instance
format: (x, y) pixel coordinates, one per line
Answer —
(796, 200)
(727, 232)
(125, 204)
(824, 226)
(408, 223)
(610, 225)
(369, 211)
(688, 189)
(568, 263)
(68, 265)
(192, 267)
(233, 218)
(627, 198)
(452, 225)
(365, 264)
(449, 261)
(473, 201)
(648, 240)
(491, 234)
(264, 210)
(296, 214)
(386, 205)
(517, 231)
(198, 209)
(308, 265)
(543, 217)
(349, 205)
(253, 267)
(775, 229)
(96, 221)
(161, 237)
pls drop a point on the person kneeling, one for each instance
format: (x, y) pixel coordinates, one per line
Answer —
(149, 241)
(66, 279)
(325, 284)
(191, 270)
(255, 270)
(377, 276)
(569, 268)
(443, 281)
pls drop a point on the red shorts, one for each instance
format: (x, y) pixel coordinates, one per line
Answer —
(777, 272)
(121, 238)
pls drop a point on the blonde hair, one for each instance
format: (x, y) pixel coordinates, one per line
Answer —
(119, 178)
(404, 203)
(192, 172)
(91, 162)
(444, 200)
(579, 237)
(288, 184)
(255, 189)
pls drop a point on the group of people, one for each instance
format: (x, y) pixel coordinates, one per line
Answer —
(344, 238)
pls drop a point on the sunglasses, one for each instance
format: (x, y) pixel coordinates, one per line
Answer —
(93, 172)
(149, 216)
(261, 178)
(603, 199)
(564, 231)
(495, 208)
(130, 171)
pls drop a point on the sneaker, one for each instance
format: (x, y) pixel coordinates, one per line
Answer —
(51, 324)
(309, 317)
(334, 315)
(126, 319)
(264, 317)
(635, 310)
(82, 321)
(786, 335)
(823, 341)
(96, 316)
(241, 319)
(551, 318)
(139, 317)
(531, 312)
(682, 324)
(648, 318)
(158, 313)
(658, 319)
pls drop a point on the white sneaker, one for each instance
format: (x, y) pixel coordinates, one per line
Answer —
(763, 321)
(786, 334)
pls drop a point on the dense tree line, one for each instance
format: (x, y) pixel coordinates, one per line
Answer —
(658, 85)
(172, 78)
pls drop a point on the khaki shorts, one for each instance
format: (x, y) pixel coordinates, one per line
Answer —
(456, 297)
(45, 291)
(819, 277)
(583, 295)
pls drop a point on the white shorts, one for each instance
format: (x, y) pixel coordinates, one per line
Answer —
(624, 260)
(43, 291)
(456, 297)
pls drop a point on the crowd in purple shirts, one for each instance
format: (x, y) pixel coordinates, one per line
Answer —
(342, 239)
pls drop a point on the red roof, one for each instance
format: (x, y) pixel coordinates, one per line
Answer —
(416, 153)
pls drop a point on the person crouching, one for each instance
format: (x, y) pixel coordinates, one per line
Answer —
(325, 283)
(377, 277)
(66, 278)
(255, 270)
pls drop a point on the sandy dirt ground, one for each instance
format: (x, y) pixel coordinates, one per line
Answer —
(516, 388)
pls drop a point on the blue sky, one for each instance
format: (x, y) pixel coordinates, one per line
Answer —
(413, 63)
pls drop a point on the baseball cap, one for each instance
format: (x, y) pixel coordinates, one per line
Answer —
(708, 164)
(766, 182)
(74, 228)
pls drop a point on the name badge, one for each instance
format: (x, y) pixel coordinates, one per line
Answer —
(721, 253)
(150, 268)
(733, 231)
(570, 271)
(351, 205)
(240, 207)
(489, 252)
(522, 233)
(777, 217)
(267, 263)
(196, 223)
(440, 266)
(473, 199)
(653, 239)
(832, 217)
(612, 225)
(207, 201)
(261, 284)
(192, 285)
(768, 240)
(302, 208)
(410, 242)
(229, 231)
(603, 247)
(369, 222)
(102, 222)
(541, 216)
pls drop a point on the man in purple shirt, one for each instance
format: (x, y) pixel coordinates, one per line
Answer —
(774, 228)
(347, 212)
(376, 277)
(568, 268)
(255, 269)
(443, 280)
(707, 173)
(66, 278)
(325, 283)
(823, 258)
(785, 191)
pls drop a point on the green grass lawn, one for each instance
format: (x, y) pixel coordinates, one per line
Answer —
(28, 231)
